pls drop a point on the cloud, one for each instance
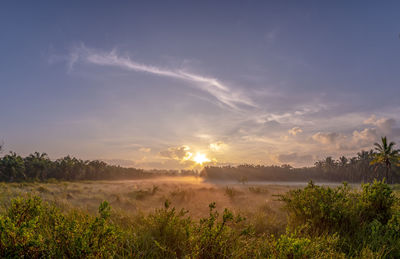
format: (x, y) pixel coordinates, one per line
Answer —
(295, 130)
(365, 137)
(212, 86)
(371, 120)
(385, 125)
(178, 153)
(295, 158)
(218, 146)
(325, 138)
(145, 149)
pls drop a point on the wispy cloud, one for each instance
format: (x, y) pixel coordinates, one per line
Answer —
(212, 86)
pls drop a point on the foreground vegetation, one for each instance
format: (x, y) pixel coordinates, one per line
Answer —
(322, 222)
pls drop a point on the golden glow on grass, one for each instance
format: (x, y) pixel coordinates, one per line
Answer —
(201, 158)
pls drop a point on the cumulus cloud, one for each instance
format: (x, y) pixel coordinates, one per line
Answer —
(178, 153)
(218, 146)
(384, 125)
(325, 137)
(212, 86)
(295, 130)
(364, 138)
(367, 135)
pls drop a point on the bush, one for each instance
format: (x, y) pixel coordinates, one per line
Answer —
(320, 210)
(36, 229)
(364, 221)
(219, 237)
(293, 246)
(163, 234)
(376, 202)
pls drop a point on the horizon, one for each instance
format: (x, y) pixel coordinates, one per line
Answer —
(183, 85)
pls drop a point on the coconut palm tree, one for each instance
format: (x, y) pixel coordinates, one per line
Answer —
(364, 159)
(386, 155)
(37, 165)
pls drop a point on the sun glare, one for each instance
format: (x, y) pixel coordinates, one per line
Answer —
(201, 158)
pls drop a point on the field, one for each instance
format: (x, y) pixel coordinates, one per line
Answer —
(176, 217)
(143, 196)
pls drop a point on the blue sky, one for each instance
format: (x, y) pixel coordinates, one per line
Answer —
(151, 85)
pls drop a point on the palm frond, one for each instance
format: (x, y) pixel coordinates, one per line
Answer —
(378, 147)
(391, 144)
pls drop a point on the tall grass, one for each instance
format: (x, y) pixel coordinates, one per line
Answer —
(323, 222)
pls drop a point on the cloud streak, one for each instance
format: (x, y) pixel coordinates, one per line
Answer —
(212, 86)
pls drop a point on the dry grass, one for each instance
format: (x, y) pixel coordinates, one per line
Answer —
(144, 196)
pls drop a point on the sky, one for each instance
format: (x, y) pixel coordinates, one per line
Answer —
(162, 84)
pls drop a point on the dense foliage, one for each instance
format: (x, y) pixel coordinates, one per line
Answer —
(362, 168)
(323, 222)
(366, 166)
(369, 219)
(38, 166)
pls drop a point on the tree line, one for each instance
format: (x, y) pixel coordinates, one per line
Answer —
(38, 166)
(381, 162)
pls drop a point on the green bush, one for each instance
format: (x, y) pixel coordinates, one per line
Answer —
(376, 202)
(293, 246)
(163, 234)
(363, 220)
(36, 229)
(219, 237)
(320, 210)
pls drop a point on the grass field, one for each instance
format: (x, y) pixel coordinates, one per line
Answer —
(143, 196)
(180, 217)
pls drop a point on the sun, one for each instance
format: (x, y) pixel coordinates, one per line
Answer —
(200, 158)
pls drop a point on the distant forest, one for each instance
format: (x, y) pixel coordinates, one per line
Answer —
(39, 167)
(355, 169)
(383, 162)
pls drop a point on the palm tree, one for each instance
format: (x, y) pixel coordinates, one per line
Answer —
(386, 155)
(37, 165)
(343, 161)
(364, 159)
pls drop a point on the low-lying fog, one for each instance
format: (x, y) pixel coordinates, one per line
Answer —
(144, 195)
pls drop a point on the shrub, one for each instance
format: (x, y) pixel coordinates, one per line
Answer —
(231, 192)
(320, 209)
(142, 194)
(258, 190)
(293, 246)
(163, 234)
(36, 229)
(220, 237)
(376, 202)
(364, 221)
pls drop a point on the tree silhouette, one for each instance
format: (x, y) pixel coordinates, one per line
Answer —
(37, 165)
(363, 165)
(386, 155)
(12, 168)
